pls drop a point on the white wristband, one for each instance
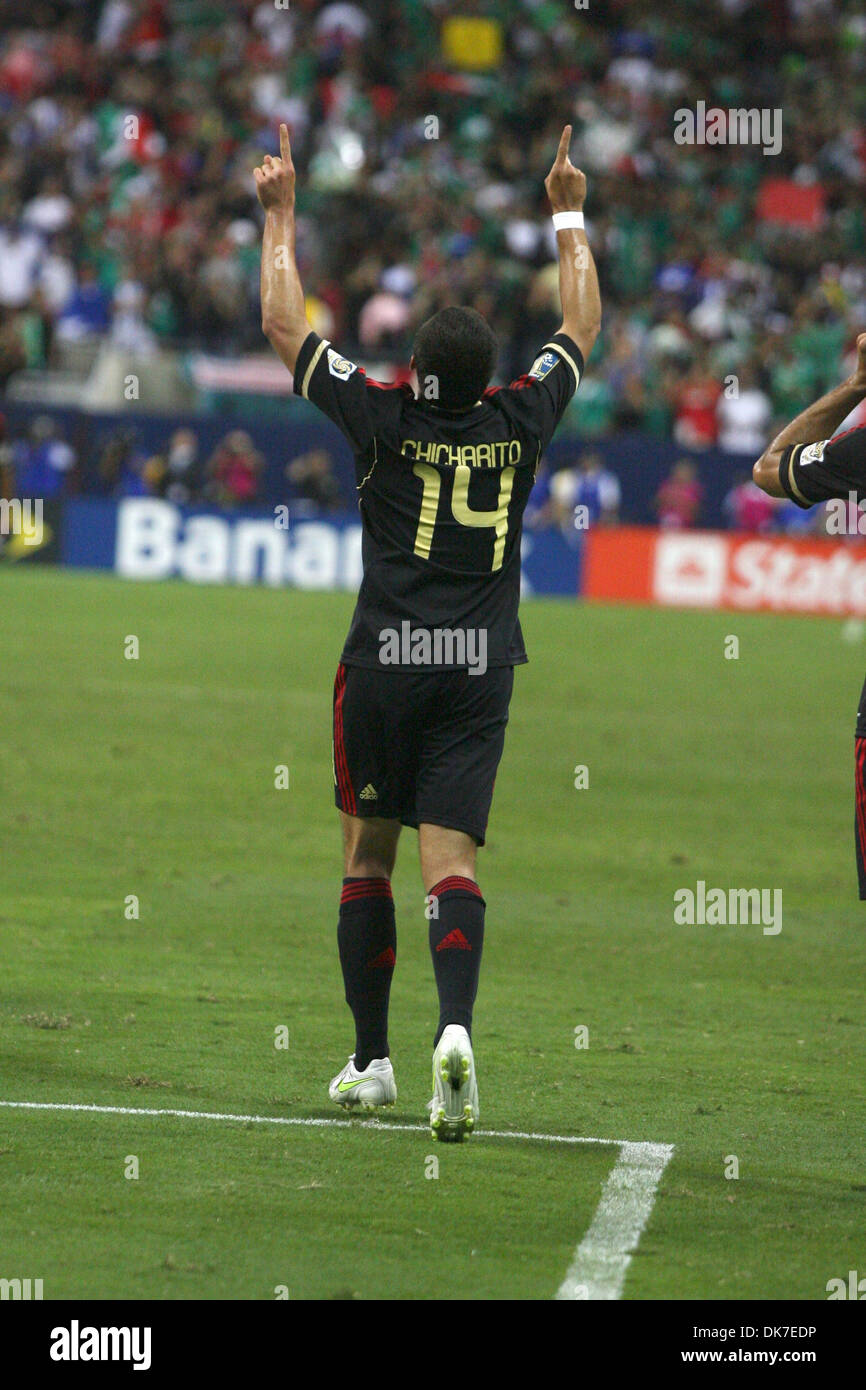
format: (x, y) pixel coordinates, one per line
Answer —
(562, 220)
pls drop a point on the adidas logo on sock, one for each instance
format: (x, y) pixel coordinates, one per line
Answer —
(383, 962)
(369, 793)
(455, 940)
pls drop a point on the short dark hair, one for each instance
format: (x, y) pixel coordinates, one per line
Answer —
(457, 350)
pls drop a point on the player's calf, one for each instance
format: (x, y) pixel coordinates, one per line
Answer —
(367, 932)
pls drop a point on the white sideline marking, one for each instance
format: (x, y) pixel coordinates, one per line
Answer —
(368, 1121)
(600, 1262)
(603, 1256)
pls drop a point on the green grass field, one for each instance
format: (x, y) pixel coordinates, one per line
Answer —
(155, 777)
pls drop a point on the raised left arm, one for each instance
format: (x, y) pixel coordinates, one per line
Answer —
(284, 318)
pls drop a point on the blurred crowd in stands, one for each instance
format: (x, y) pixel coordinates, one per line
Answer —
(39, 462)
(422, 131)
(587, 493)
(734, 281)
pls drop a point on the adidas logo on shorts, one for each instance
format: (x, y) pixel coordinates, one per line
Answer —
(369, 793)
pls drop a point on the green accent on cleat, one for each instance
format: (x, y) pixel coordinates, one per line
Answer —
(454, 1108)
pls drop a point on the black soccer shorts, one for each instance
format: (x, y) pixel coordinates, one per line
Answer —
(420, 746)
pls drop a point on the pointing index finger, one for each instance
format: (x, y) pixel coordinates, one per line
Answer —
(564, 142)
(285, 147)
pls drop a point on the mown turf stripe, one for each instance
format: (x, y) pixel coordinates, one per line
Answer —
(600, 1262)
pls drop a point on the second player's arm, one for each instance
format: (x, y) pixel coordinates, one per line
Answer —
(578, 278)
(818, 421)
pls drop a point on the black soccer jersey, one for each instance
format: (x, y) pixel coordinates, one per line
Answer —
(811, 473)
(442, 495)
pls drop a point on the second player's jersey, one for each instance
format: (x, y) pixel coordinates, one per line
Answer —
(811, 473)
(442, 495)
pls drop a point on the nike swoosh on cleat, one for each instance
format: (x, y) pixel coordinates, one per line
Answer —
(350, 1085)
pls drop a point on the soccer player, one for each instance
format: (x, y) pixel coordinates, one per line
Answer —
(807, 465)
(425, 678)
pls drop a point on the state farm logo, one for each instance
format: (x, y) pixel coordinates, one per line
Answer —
(710, 571)
(690, 570)
(798, 578)
(706, 569)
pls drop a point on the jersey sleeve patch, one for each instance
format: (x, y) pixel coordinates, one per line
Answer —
(812, 453)
(551, 355)
(340, 367)
(543, 364)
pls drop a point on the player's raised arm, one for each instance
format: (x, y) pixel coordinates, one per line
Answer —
(836, 467)
(578, 278)
(284, 318)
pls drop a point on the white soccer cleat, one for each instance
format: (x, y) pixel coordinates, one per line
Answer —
(454, 1107)
(368, 1089)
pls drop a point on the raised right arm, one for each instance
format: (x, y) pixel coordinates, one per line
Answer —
(578, 278)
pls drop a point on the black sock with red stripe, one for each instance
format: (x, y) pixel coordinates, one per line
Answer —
(367, 938)
(456, 938)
